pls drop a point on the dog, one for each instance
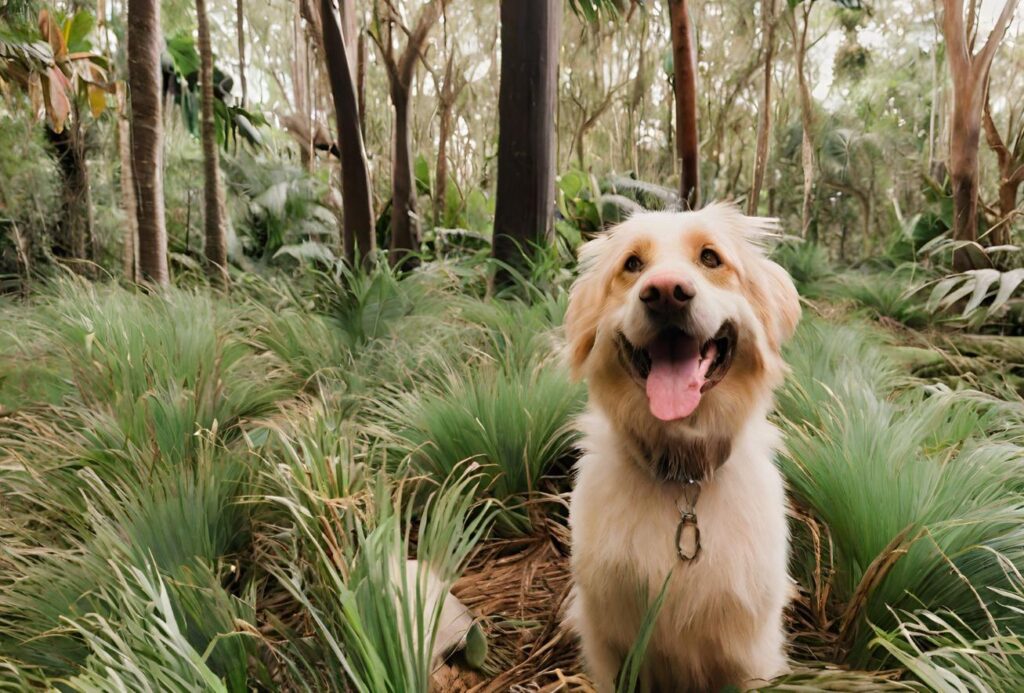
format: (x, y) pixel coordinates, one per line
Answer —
(676, 322)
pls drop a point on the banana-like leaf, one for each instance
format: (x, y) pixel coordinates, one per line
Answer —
(53, 35)
(1008, 283)
(77, 30)
(55, 98)
(982, 280)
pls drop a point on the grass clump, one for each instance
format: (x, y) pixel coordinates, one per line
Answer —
(343, 562)
(918, 495)
(807, 263)
(516, 424)
(893, 297)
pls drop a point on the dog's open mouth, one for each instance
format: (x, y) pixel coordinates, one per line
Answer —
(677, 369)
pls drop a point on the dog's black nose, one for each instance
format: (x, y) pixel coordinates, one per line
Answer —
(666, 292)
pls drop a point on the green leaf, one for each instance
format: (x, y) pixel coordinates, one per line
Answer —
(421, 169)
(476, 647)
(184, 56)
(77, 30)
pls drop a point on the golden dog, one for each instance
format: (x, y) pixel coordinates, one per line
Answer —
(676, 322)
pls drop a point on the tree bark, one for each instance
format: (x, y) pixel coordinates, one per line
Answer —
(684, 61)
(764, 122)
(1011, 173)
(806, 110)
(358, 235)
(448, 92)
(145, 45)
(970, 73)
(240, 29)
(527, 94)
(76, 238)
(130, 249)
(405, 226)
(405, 222)
(213, 196)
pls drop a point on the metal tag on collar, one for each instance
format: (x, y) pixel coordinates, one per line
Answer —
(687, 531)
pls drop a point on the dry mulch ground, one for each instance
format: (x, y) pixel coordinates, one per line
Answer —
(518, 588)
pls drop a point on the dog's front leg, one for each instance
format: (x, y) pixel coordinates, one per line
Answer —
(601, 656)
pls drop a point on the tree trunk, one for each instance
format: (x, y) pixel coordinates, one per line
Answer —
(130, 249)
(240, 28)
(970, 73)
(530, 31)
(358, 229)
(76, 237)
(1011, 174)
(806, 113)
(444, 129)
(684, 60)
(764, 122)
(361, 82)
(405, 225)
(213, 196)
(963, 173)
(1008, 189)
(145, 45)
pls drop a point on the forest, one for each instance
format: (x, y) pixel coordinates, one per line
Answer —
(282, 287)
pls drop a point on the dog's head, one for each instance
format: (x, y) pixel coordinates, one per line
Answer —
(677, 321)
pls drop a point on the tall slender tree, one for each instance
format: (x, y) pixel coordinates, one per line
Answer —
(684, 67)
(799, 19)
(358, 229)
(764, 121)
(1009, 151)
(530, 31)
(213, 194)
(145, 45)
(449, 85)
(400, 68)
(970, 73)
(130, 248)
(240, 31)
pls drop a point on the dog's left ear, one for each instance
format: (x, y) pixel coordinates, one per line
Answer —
(777, 301)
(584, 312)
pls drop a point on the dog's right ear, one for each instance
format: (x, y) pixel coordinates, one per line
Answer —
(585, 301)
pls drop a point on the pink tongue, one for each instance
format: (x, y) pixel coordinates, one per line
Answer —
(676, 377)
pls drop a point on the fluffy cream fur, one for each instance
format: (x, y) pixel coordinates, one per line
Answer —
(721, 622)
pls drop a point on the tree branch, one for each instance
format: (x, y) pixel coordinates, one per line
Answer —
(983, 61)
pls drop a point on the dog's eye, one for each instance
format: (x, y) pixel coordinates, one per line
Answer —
(633, 264)
(709, 258)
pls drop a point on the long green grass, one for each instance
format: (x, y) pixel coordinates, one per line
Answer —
(918, 488)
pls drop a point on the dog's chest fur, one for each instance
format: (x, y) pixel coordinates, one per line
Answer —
(624, 526)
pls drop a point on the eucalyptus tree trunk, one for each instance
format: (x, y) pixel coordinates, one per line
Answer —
(405, 221)
(806, 108)
(240, 29)
(130, 248)
(358, 228)
(448, 92)
(527, 95)
(405, 225)
(145, 45)
(1010, 157)
(76, 237)
(970, 73)
(216, 240)
(684, 66)
(764, 122)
